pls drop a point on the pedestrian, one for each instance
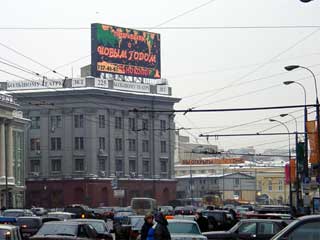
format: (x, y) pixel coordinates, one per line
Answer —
(202, 221)
(160, 228)
(148, 223)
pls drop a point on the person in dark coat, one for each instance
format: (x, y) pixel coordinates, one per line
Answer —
(148, 223)
(203, 222)
(161, 231)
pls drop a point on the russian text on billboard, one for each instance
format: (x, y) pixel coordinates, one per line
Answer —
(124, 51)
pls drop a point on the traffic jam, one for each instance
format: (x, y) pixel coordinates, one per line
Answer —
(144, 220)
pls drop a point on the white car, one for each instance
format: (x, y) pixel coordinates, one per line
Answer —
(184, 230)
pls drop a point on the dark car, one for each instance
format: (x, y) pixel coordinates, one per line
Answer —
(187, 210)
(80, 211)
(247, 229)
(99, 225)
(305, 228)
(29, 226)
(66, 230)
(219, 220)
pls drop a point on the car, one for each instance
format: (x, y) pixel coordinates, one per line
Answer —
(166, 210)
(29, 225)
(99, 225)
(262, 229)
(305, 228)
(39, 211)
(17, 213)
(219, 220)
(187, 210)
(80, 211)
(66, 230)
(61, 215)
(184, 230)
(107, 212)
(9, 232)
(262, 209)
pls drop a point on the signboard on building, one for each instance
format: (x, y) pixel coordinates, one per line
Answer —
(78, 82)
(163, 89)
(213, 161)
(131, 86)
(118, 193)
(124, 51)
(101, 83)
(21, 85)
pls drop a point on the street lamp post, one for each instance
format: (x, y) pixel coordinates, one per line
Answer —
(293, 67)
(305, 163)
(297, 169)
(289, 143)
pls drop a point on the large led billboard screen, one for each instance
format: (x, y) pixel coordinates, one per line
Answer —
(124, 51)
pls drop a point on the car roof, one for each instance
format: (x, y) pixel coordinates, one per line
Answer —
(309, 217)
(261, 220)
(180, 221)
(84, 220)
(15, 210)
(30, 217)
(7, 226)
(63, 223)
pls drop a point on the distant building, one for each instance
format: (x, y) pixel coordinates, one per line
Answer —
(185, 150)
(237, 186)
(84, 141)
(12, 153)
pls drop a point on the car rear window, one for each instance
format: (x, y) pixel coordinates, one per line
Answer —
(58, 229)
(30, 223)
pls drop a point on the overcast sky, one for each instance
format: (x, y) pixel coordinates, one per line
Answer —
(194, 61)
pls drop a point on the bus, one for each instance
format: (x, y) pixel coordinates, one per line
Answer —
(142, 206)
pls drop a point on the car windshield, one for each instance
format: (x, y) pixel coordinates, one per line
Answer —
(58, 229)
(183, 228)
(29, 222)
(98, 226)
(123, 214)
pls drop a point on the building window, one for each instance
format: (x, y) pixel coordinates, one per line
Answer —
(119, 165)
(118, 122)
(102, 121)
(146, 167)
(78, 143)
(55, 144)
(55, 121)
(145, 146)
(78, 121)
(132, 166)
(280, 187)
(35, 166)
(163, 146)
(164, 166)
(270, 185)
(56, 165)
(102, 164)
(102, 143)
(132, 124)
(35, 144)
(237, 181)
(132, 145)
(79, 164)
(35, 122)
(163, 125)
(118, 144)
(236, 193)
(145, 124)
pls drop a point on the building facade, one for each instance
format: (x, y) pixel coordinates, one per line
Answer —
(85, 141)
(12, 153)
(238, 186)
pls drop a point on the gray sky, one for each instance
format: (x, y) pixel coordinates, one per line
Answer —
(193, 61)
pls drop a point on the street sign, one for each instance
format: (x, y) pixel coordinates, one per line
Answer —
(119, 193)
